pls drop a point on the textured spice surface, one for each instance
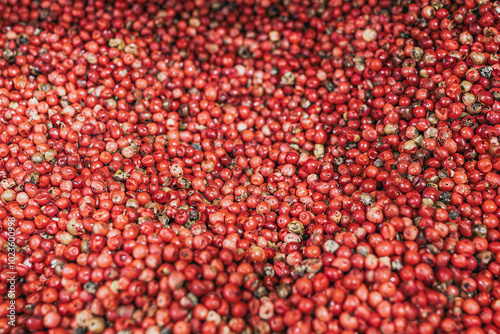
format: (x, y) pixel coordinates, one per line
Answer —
(250, 166)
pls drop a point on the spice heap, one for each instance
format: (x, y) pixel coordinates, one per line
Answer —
(295, 166)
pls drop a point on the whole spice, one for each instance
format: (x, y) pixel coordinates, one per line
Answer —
(250, 166)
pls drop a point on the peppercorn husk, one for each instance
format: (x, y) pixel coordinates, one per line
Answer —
(295, 227)
(120, 175)
(319, 151)
(367, 199)
(288, 79)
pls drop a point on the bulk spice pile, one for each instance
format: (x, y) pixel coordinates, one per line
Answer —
(250, 166)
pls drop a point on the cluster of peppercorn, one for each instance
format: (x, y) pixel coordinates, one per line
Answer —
(250, 166)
